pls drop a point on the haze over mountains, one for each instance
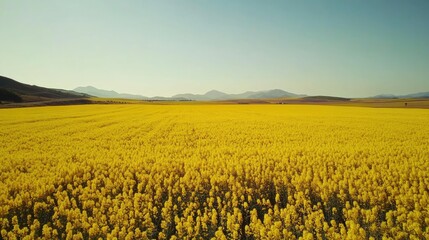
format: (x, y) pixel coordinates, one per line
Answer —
(218, 95)
(106, 93)
(412, 95)
(210, 95)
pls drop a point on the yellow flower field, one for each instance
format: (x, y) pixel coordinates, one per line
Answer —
(138, 171)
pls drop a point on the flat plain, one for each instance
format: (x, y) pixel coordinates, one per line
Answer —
(185, 171)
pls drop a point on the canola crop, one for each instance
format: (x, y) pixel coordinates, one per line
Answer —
(214, 172)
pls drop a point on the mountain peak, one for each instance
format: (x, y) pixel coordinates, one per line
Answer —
(274, 93)
(215, 94)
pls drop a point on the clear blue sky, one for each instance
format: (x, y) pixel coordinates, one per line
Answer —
(342, 48)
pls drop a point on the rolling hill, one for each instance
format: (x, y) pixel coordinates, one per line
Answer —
(325, 98)
(22, 92)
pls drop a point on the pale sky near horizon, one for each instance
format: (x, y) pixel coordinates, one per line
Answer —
(332, 47)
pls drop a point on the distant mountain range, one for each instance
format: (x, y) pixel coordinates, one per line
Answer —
(217, 95)
(413, 95)
(210, 95)
(96, 92)
(14, 91)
